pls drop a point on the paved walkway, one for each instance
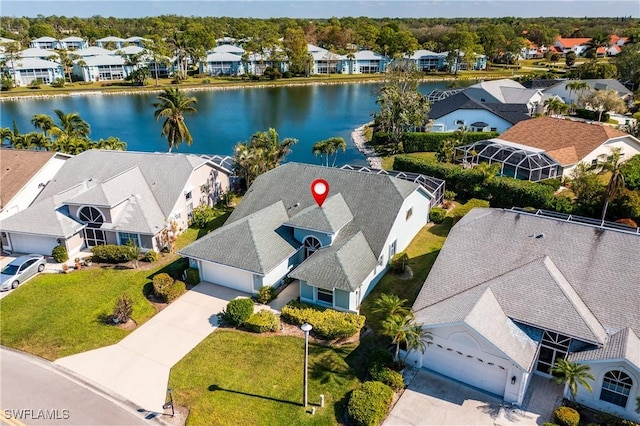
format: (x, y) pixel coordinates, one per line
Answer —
(432, 399)
(137, 367)
(291, 292)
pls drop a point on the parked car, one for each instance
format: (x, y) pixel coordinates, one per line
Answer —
(20, 270)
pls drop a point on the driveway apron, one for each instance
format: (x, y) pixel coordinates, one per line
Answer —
(137, 367)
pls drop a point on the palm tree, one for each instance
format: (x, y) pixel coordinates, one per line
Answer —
(572, 374)
(43, 122)
(111, 143)
(574, 87)
(337, 144)
(398, 327)
(611, 164)
(389, 305)
(321, 148)
(555, 106)
(172, 105)
(70, 125)
(417, 339)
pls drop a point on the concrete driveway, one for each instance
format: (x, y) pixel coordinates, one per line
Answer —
(137, 367)
(432, 399)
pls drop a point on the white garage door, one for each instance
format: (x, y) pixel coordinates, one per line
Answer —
(22, 243)
(228, 277)
(467, 368)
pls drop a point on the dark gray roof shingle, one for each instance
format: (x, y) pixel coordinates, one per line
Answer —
(511, 112)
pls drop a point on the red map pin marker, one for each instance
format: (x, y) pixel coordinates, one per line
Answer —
(319, 190)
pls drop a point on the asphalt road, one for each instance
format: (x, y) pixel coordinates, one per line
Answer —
(34, 392)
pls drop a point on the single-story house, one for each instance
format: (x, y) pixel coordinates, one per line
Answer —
(546, 147)
(74, 43)
(44, 43)
(551, 287)
(111, 197)
(460, 110)
(136, 41)
(338, 251)
(27, 70)
(505, 91)
(560, 89)
(578, 45)
(23, 175)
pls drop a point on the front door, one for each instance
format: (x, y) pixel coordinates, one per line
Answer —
(553, 346)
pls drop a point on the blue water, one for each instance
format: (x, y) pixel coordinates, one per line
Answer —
(224, 117)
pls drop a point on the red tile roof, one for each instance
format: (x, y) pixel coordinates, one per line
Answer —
(571, 42)
(568, 142)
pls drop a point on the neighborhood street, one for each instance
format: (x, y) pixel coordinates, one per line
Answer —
(34, 392)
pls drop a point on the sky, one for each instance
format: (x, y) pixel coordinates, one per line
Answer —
(323, 9)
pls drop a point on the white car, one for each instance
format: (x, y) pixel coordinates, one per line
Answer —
(20, 270)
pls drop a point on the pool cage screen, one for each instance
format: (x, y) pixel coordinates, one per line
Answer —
(515, 161)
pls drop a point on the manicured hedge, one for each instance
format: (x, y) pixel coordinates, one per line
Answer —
(192, 276)
(369, 404)
(437, 214)
(566, 416)
(471, 183)
(111, 253)
(166, 288)
(60, 254)
(327, 323)
(262, 321)
(389, 377)
(462, 210)
(429, 142)
(587, 114)
(237, 312)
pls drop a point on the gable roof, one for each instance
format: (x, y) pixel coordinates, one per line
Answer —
(344, 265)
(103, 60)
(228, 48)
(597, 84)
(257, 242)
(624, 344)
(36, 52)
(551, 274)
(572, 42)
(330, 218)
(223, 57)
(18, 167)
(568, 142)
(513, 113)
(45, 217)
(503, 90)
(92, 51)
(374, 200)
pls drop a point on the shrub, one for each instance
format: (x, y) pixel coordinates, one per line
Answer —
(266, 294)
(549, 424)
(437, 214)
(151, 256)
(60, 254)
(287, 74)
(60, 82)
(262, 321)
(398, 262)
(202, 215)
(192, 276)
(161, 283)
(449, 195)
(432, 142)
(327, 323)
(389, 377)
(380, 358)
(587, 114)
(6, 82)
(175, 290)
(35, 84)
(462, 210)
(369, 404)
(122, 310)
(111, 253)
(237, 312)
(566, 416)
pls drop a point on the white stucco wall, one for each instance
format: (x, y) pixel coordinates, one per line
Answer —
(592, 399)
(403, 231)
(226, 276)
(276, 274)
(469, 117)
(32, 189)
(27, 243)
(629, 147)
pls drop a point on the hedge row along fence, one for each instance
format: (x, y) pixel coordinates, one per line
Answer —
(502, 192)
(430, 142)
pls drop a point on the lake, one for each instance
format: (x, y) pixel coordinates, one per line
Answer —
(224, 118)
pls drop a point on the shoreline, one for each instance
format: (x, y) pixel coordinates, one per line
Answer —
(360, 141)
(221, 86)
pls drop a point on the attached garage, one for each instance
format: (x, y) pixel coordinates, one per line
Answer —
(226, 276)
(26, 243)
(470, 366)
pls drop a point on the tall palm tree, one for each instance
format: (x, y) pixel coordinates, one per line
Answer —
(403, 329)
(417, 339)
(572, 374)
(172, 105)
(321, 148)
(574, 87)
(111, 143)
(611, 164)
(70, 125)
(389, 305)
(42, 122)
(555, 106)
(337, 144)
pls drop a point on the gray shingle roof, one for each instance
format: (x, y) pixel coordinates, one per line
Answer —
(512, 112)
(624, 344)
(257, 242)
(330, 218)
(374, 200)
(343, 265)
(553, 274)
(45, 217)
(165, 174)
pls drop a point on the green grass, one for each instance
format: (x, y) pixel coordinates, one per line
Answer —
(237, 378)
(387, 162)
(191, 234)
(422, 253)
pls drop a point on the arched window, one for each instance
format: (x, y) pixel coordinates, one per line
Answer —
(93, 235)
(311, 244)
(616, 387)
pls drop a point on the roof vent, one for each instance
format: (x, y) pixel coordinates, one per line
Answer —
(539, 236)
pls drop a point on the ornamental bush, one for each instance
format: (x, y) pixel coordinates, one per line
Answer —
(566, 416)
(389, 377)
(399, 262)
(237, 312)
(60, 254)
(327, 323)
(166, 288)
(380, 358)
(151, 256)
(431, 142)
(192, 276)
(202, 215)
(462, 210)
(266, 294)
(111, 253)
(122, 310)
(262, 321)
(437, 214)
(369, 404)
(175, 290)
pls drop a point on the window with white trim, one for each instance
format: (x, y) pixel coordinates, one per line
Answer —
(311, 245)
(616, 386)
(125, 237)
(93, 235)
(187, 196)
(325, 296)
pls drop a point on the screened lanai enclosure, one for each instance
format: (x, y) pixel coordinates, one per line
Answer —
(517, 161)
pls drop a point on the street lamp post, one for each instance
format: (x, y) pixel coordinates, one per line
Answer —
(306, 328)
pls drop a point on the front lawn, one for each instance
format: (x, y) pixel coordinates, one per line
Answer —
(238, 378)
(422, 252)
